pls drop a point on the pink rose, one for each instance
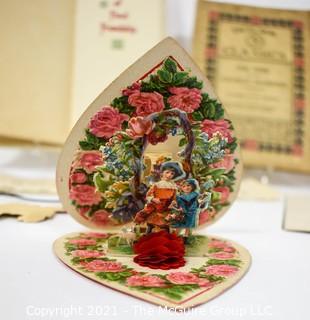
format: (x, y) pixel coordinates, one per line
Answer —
(217, 244)
(222, 255)
(146, 102)
(85, 195)
(83, 242)
(78, 177)
(205, 283)
(222, 126)
(229, 249)
(182, 278)
(138, 127)
(134, 88)
(188, 278)
(101, 217)
(221, 270)
(226, 163)
(86, 253)
(206, 215)
(106, 122)
(224, 193)
(185, 99)
(89, 160)
(145, 281)
(104, 266)
(221, 245)
(96, 235)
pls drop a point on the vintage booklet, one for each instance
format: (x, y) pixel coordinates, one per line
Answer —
(258, 61)
(57, 55)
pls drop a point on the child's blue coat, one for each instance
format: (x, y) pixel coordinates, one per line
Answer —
(189, 204)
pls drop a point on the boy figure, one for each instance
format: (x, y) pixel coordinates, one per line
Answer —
(160, 196)
(187, 202)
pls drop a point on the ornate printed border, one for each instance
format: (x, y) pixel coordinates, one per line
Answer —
(223, 264)
(215, 17)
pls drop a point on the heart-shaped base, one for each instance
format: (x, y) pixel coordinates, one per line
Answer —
(212, 265)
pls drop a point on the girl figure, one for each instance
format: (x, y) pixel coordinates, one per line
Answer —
(187, 201)
(160, 196)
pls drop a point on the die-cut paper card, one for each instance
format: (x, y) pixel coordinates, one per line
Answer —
(151, 160)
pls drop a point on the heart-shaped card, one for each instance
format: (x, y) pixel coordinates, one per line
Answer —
(151, 160)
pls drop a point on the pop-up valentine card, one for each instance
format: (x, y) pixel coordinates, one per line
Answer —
(151, 161)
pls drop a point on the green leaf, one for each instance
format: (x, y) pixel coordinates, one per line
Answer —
(84, 145)
(91, 142)
(75, 260)
(197, 115)
(101, 184)
(192, 82)
(213, 250)
(170, 65)
(179, 78)
(164, 76)
(212, 277)
(197, 270)
(107, 276)
(175, 292)
(211, 108)
(210, 113)
(216, 172)
(182, 142)
(233, 145)
(231, 262)
(121, 103)
(92, 138)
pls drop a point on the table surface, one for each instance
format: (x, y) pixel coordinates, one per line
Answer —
(36, 285)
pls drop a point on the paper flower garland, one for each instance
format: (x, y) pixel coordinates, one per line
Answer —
(105, 177)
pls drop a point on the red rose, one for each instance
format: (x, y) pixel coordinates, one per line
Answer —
(155, 137)
(106, 122)
(160, 250)
(134, 88)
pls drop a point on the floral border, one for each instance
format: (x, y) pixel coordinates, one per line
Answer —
(88, 253)
(104, 183)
